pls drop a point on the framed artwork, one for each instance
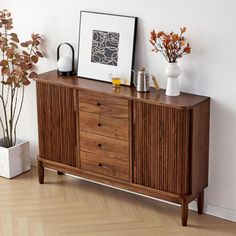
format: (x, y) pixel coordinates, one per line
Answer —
(106, 46)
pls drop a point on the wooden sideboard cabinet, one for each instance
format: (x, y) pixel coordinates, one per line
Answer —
(147, 143)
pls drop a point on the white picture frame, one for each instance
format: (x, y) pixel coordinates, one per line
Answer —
(106, 46)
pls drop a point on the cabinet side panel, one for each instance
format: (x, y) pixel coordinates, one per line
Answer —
(48, 122)
(76, 108)
(40, 111)
(67, 127)
(56, 123)
(200, 122)
(161, 148)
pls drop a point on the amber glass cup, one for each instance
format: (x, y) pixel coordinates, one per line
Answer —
(115, 79)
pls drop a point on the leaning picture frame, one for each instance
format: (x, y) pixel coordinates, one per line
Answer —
(106, 46)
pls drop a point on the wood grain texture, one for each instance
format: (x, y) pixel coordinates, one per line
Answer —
(103, 105)
(183, 101)
(77, 122)
(184, 211)
(40, 172)
(56, 123)
(68, 206)
(199, 146)
(131, 141)
(105, 166)
(113, 182)
(200, 202)
(161, 158)
(105, 146)
(117, 128)
(148, 143)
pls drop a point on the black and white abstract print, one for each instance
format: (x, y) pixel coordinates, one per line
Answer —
(105, 47)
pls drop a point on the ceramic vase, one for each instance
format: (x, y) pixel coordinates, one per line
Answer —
(172, 71)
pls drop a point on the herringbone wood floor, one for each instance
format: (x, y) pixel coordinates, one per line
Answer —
(69, 206)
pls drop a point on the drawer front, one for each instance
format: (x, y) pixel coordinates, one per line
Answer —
(103, 125)
(103, 105)
(101, 145)
(105, 166)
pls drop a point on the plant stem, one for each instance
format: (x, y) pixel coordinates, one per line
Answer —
(8, 89)
(3, 129)
(19, 112)
(15, 105)
(6, 119)
(11, 115)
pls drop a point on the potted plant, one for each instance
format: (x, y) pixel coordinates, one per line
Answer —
(17, 63)
(172, 46)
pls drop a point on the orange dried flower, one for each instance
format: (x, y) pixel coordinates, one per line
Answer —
(172, 46)
(153, 36)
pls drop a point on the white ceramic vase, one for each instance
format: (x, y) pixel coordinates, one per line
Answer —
(172, 71)
(14, 160)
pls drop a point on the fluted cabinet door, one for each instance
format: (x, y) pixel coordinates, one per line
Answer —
(161, 147)
(57, 123)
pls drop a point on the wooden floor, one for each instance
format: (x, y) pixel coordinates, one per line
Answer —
(69, 206)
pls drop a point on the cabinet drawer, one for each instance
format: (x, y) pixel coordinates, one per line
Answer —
(104, 105)
(112, 127)
(101, 145)
(105, 166)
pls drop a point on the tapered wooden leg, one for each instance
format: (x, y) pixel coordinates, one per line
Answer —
(200, 202)
(184, 211)
(60, 173)
(40, 172)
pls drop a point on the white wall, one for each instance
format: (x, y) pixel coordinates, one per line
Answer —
(209, 70)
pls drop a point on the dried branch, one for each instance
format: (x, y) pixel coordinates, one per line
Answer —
(171, 46)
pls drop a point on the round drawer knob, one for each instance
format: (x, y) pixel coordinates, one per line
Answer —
(98, 104)
(100, 164)
(99, 124)
(99, 145)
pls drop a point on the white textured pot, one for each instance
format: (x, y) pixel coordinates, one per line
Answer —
(15, 160)
(172, 71)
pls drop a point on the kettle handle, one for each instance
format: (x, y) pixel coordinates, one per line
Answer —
(155, 82)
(134, 82)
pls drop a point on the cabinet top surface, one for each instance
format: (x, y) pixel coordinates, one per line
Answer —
(185, 100)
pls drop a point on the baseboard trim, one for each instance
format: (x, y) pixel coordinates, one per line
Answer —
(209, 209)
(34, 161)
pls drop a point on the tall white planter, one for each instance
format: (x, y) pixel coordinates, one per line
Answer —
(15, 160)
(172, 71)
